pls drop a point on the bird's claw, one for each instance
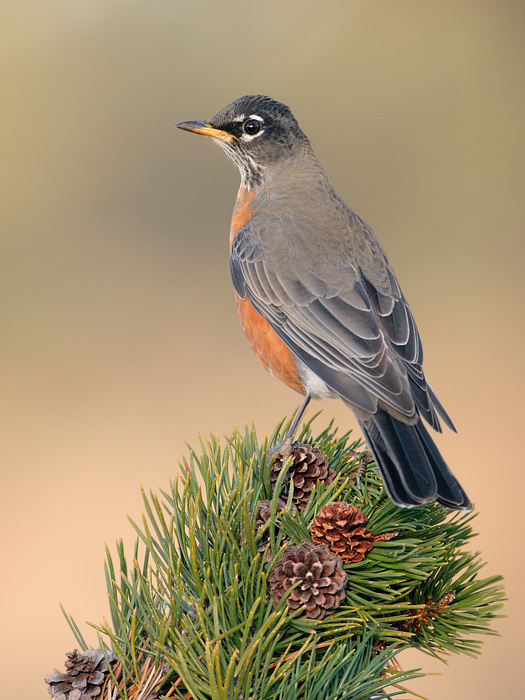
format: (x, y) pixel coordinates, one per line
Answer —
(365, 457)
(282, 450)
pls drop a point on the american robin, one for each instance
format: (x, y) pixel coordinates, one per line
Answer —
(319, 301)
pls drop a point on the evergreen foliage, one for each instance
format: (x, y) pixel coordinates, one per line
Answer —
(193, 603)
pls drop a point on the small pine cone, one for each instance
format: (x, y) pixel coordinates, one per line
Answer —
(264, 512)
(341, 527)
(320, 574)
(84, 677)
(263, 515)
(308, 467)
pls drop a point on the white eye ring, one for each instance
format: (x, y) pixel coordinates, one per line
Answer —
(252, 128)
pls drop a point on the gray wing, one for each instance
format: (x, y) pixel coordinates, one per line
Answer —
(356, 332)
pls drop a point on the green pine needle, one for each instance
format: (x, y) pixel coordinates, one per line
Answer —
(194, 597)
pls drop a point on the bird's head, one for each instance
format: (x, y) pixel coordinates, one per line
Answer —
(256, 133)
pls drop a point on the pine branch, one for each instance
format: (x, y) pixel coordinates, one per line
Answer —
(191, 612)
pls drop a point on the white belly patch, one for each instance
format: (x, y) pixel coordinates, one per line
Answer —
(314, 385)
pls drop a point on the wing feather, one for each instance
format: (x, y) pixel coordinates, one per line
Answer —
(360, 338)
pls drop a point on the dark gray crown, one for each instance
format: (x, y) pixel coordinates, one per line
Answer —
(279, 138)
(270, 110)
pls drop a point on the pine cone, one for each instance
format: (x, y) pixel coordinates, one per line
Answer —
(341, 527)
(264, 512)
(309, 466)
(84, 678)
(263, 515)
(321, 576)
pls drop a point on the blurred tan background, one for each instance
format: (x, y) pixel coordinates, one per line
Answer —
(120, 339)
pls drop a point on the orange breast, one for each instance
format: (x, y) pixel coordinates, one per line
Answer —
(274, 355)
(242, 212)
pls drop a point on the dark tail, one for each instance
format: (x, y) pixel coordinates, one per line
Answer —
(412, 468)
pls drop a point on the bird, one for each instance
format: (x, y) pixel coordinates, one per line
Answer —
(320, 304)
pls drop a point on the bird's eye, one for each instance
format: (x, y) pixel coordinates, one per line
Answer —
(252, 126)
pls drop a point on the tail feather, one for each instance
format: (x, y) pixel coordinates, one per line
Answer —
(413, 470)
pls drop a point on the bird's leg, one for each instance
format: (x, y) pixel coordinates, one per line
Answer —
(364, 457)
(284, 448)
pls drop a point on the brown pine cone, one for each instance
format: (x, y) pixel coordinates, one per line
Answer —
(84, 678)
(321, 576)
(263, 515)
(264, 512)
(308, 467)
(341, 527)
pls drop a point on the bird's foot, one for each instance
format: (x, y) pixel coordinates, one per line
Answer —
(365, 456)
(282, 450)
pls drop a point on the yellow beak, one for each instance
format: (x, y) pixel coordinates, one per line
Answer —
(205, 129)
